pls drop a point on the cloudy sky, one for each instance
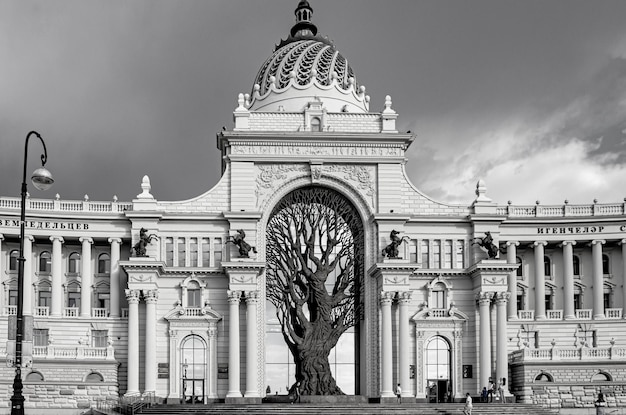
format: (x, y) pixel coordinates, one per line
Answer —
(529, 95)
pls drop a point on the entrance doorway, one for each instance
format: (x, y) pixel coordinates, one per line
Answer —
(438, 370)
(193, 391)
(193, 369)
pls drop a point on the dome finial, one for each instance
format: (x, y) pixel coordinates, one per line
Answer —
(303, 24)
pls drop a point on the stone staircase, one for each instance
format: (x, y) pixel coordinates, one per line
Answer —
(345, 409)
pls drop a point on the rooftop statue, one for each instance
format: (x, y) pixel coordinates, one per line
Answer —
(487, 243)
(244, 247)
(391, 250)
(144, 240)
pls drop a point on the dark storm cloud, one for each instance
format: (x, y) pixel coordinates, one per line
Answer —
(122, 89)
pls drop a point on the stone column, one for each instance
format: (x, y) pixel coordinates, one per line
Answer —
(598, 279)
(511, 258)
(56, 306)
(2, 266)
(115, 277)
(85, 276)
(150, 366)
(28, 275)
(404, 299)
(386, 298)
(234, 383)
(540, 281)
(212, 362)
(502, 356)
(568, 280)
(623, 244)
(252, 387)
(484, 302)
(132, 387)
(174, 361)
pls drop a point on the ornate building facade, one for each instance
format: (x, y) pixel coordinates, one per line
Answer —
(185, 316)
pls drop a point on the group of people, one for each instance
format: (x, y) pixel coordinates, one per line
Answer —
(495, 389)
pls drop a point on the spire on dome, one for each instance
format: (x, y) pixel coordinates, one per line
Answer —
(303, 24)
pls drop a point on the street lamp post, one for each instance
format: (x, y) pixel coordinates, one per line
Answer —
(42, 180)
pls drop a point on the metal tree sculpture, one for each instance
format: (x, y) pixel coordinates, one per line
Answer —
(314, 272)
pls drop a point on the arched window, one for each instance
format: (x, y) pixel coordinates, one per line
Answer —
(547, 266)
(104, 264)
(606, 269)
(73, 294)
(601, 377)
(543, 377)
(73, 264)
(437, 359)
(45, 262)
(34, 376)
(94, 377)
(576, 266)
(13, 260)
(316, 124)
(520, 269)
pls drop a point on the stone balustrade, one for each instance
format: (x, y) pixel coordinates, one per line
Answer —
(565, 210)
(58, 205)
(568, 353)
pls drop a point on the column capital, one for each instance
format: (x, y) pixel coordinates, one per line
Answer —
(84, 239)
(537, 243)
(514, 243)
(564, 243)
(151, 296)
(597, 241)
(173, 334)
(30, 238)
(1, 237)
(484, 297)
(386, 297)
(502, 298)
(212, 331)
(252, 297)
(622, 242)
(132, 296)
(57, 238)
(111, 240)
(404, 297)
(234, 297)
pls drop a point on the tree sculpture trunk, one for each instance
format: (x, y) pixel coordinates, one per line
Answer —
(311, 279)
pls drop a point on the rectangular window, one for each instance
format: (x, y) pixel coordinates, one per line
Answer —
(460, 254)
(206, 252)
(439, 299)
(169, 252)
(217, 251)
(180, 244)
(13, 260)
(193, 252)
(425, 253)
(193, 298)
(437, 254)
(40, 337)
(447, 254)
(12, 297)
(73, 299)
(548, 302)
(607, 300)
(413, 250)
(99, 338)
(577, 302)
(45, 298)
(520, 302)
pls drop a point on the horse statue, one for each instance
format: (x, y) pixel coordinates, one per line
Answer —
(391, 250)
(244, 247)
(486, 242)
(144, 239)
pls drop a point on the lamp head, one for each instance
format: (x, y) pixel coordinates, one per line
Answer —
(42, 179)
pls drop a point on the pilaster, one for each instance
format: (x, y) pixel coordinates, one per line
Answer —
(386, 298)
(540, 281)
(56, 306)
(86, 277)
(132, 388)
(598, 279)
(234, 383)
(115, 276)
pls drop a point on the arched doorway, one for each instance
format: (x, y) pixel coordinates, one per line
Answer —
(315, 246)
(438, 370)
(193, 369)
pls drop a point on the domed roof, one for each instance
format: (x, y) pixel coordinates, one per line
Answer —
(307, 67)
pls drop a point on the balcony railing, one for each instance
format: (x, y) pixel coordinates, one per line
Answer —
(10, 310)
(526, 314)
(99, 312)
(80, 352)
(42, 311)
(66, 205)
(613, 313)
(70, 312)
(554, 314)
(584, 314)
(568, 353)
(565, 210)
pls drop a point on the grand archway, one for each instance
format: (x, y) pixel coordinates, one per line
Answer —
(315, 246)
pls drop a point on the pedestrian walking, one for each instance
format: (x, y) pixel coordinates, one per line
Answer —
(483, 395)
(491, 390)
(501, 391)
(398, 394)
(467, 409)
(600, 404)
